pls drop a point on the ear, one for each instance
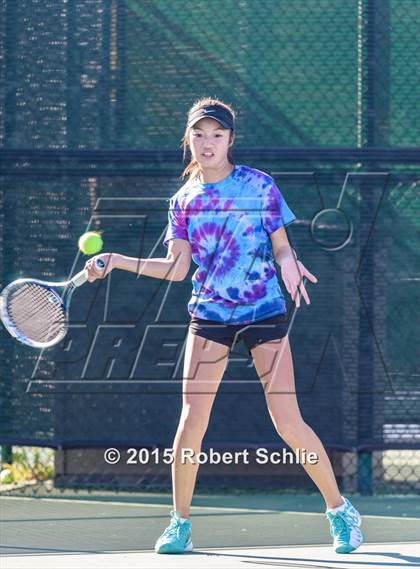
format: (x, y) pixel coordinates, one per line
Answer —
(232, 139)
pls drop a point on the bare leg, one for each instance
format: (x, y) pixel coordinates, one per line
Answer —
(204, 365)
(274, 365)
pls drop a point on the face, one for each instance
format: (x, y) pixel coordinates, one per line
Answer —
(209, 143)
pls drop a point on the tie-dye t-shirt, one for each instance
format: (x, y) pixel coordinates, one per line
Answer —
(228, 224)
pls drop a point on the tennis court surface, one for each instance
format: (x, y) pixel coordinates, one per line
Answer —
(228, 531)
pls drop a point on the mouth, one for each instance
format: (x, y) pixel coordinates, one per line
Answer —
(208, 154)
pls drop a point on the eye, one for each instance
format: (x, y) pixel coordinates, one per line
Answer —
(199, 134)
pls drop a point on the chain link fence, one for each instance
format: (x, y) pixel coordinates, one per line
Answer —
(96, 74)
(93, 101)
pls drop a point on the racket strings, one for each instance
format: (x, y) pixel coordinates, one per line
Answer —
(26, 302)
(35, 316)
(36, 312)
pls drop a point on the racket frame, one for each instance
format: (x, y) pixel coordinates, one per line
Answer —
(69, 287)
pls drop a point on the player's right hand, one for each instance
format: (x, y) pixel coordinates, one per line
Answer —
(94, 272)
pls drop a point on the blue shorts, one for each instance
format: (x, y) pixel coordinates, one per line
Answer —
(272, 328)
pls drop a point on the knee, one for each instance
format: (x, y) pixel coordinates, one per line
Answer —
(290, 429)
(194, 419)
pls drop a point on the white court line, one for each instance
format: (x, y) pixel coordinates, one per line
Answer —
(363, 515)
(211, 508)
(136, 505)
(202, 549)
(328, 545)
(317, 556)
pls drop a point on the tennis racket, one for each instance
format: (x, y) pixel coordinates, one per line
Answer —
(35, 313)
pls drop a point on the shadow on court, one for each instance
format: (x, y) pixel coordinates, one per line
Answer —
(227, 529)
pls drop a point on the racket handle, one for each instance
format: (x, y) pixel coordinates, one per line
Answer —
(80, 278)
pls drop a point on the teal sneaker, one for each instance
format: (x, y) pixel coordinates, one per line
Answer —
(177, 536)
(344, 528)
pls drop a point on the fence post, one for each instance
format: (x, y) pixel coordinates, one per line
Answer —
(374, 131)
(6, 455)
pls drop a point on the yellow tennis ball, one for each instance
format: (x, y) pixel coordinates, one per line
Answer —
(90, 243)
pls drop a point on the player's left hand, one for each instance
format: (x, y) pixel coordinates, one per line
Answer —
(293, 273)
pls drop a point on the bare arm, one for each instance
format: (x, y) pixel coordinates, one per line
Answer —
(157, 268)
(292, 271)
(174, 267)
(282, 249)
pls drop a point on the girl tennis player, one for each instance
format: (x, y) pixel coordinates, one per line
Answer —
(230, 220)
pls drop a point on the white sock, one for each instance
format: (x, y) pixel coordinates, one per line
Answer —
(338, 508)
(182, 520)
